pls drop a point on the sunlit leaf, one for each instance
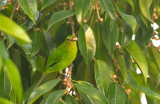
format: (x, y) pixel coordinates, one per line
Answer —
(13, 29)
(144, 7)
(15, 79)
(140, 59)
(5, 101)
(86, 42)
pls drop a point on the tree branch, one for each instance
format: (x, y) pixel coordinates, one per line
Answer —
(14, 9)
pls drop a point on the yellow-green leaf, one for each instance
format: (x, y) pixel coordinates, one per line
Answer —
(15, 79)
(144, 7)
(140, 59)
(13, 29)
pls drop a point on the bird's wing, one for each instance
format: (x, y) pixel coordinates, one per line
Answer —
(56, 57)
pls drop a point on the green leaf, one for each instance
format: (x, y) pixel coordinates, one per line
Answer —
(13, 29)
(116, 94)
(147, 91)
(154, 55)
(3, 52)
(122, 64)
(0, 63)
(54, 97)
(5, 101)
(58, 16)
(10, 40)
(100, 47)
(37, 43)
(47, 3)
(130, 2)
(102, 76)
(15, 79)
(108, 7)
(153, 71)
(81, 9)
(144, 7)
(110, 34)
(92, 92)
(29, 7)
(84, 73)
(42, 89)
(138, 56)
(5, 88)
(86, 42)
(138, 78)
(48, 43)
(70, 100)
(129, 19)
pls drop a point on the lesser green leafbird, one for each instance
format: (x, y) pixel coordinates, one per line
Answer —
(62, 57)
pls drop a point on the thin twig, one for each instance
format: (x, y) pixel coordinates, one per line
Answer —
(39, 82)
(14, 9)
(71, 19)
(96, 2)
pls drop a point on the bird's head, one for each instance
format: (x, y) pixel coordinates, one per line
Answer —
(71, 39)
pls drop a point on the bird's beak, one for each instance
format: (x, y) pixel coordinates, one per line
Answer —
(74, 39)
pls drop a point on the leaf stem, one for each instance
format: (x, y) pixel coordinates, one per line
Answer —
(14, 9)
(96, 2)
(39, 82)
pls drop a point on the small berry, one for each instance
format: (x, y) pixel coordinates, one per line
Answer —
(84, 20)
(115, 61)
(58, 77)
(154, 9)
(65, 83)
(3, 7)
(122, 86)
(65, 79)
(2, 35)
(133, 60)
(77, 98)
(129, 90)
(94, 7)
(60, 99)
(69, 72)
(64, 4)
(114, 76)
(101, 20)
(68, 84)
(154, 14)
(66, 92)
(9, 2)
(156, 17)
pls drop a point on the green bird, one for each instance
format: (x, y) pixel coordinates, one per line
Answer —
(62, 57)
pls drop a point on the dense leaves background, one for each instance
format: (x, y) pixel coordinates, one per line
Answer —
(115, 39)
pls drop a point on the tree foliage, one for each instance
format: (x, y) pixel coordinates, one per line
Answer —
(115, 40)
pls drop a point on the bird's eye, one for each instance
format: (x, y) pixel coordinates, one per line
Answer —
(67, 39)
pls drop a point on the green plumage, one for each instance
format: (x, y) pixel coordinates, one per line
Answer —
(63, 56)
